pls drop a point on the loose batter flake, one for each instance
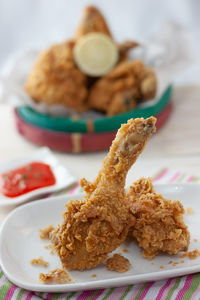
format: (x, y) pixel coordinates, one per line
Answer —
(45, 233)
(55, 276)
(39, 261)
(118, 263)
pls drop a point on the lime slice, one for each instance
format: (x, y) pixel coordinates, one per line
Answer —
(95, 54)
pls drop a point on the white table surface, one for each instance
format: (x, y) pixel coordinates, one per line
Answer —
(176, 145)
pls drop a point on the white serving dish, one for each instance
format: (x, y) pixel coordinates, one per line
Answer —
(20, 242)
(62, 175)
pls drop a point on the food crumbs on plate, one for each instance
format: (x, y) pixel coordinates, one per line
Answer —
(55, 276)
(118, 263)
(191, 254)
(182, 261)
(170, 262)
(45, 233)
(162, 267)
(175, 263)
(124, 250)
(93, 275)
(195, 240)
(152, 263)
(39, 261)
(50, 246)
(189, 210)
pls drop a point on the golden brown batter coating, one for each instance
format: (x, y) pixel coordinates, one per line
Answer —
(191, 254)
(159, 222)
(148, 84)
(45, 233)
(55, 79)
(39, 262)
(124, 48)
(99, 223)
(118, 263)
(120, 90)
(55, 276)
(92, 21)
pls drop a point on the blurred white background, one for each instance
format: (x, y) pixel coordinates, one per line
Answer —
(26, 25)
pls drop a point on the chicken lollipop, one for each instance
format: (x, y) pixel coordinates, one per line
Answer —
(99, 223)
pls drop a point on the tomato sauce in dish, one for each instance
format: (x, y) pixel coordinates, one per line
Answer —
(27, 178)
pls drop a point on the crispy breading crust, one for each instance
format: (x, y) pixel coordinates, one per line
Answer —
(159, 222)
(124, 48)
(99, 223)
(118, 263)
(120, 90)
(92, 21)
(55, 276)
(45, 233)
(39, 261)
(55, 78)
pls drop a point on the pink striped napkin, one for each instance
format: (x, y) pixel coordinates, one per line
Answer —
(180, 288)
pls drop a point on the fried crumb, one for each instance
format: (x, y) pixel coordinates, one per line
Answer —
(45, 233)
(50, 246)
(170, 262)
(162, 267)
(195, 240)
(93, 275)
(182, 261)
(39, 261)
(175, 263)
(118, 263)
(189, 210)
(191, 254)
(55, 276)
(152, 263)
(124, 250)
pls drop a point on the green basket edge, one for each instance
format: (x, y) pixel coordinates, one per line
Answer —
(100, 125)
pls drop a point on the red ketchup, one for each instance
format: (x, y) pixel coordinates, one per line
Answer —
(27, 178)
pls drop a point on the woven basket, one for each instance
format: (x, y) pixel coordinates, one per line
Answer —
(43, 130)
(103, 124)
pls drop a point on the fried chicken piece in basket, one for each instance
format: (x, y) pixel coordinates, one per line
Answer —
(120, 90)
(92, 21)
(55, 78)
(124, 48)
(99, 223)
(159, 223)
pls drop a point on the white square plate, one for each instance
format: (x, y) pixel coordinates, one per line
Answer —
(63, 177)
(20, 242)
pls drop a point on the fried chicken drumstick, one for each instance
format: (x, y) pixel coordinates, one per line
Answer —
(159, 222)
(99, 223)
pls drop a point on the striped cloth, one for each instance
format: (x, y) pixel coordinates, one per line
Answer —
(180, 288)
